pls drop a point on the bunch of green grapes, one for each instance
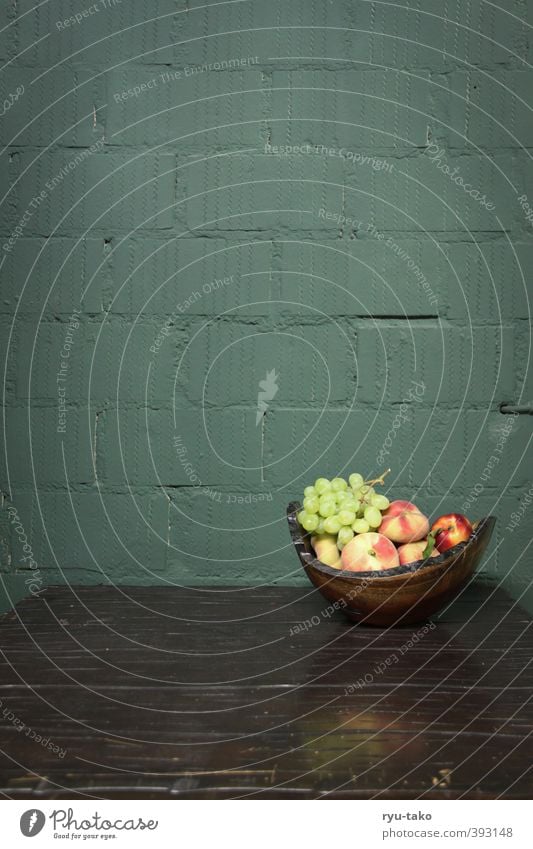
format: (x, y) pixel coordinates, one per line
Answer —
(342, 508)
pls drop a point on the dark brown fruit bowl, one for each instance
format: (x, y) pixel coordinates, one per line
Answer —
(400, 596)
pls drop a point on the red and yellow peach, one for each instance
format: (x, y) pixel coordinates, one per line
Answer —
(397, 507)
(412, 551)
(403, 522)
(369, 552)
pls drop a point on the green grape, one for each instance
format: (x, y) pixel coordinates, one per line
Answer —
(344, 536)
(332, 525)
(338, 484)
(327, 506)
(357, 494)
(356, 480)
(309, 491)
(346, 517)
(349, 503)
(322, 485)
(361, 526)
(373, 517)
(311, 504)
(380, 501)
(301, 516)
(310, 522)
(367, 493)
(320, 529)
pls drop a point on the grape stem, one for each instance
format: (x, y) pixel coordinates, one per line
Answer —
(380, 480)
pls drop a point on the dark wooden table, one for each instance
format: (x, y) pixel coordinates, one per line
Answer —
(261, 692)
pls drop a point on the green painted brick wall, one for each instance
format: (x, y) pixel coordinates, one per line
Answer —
(196, 194)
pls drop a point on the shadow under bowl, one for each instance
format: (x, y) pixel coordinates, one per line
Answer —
(401, 596)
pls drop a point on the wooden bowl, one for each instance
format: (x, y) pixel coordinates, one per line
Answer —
(400, 596)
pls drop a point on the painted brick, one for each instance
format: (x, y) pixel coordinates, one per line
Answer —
(34, 357)
(459, 365)
(523, 181)
(136, 446)
(360, 277)
(146, 370)
(416, 444)
(486, 281)
(490, 110)
(118, 32)
(57, 272)
(130, 192)
(283, 569)
(230, 532)
(100, 359)
(407, 38)
(188, 109)
(524, 371)
(8, 46)
(5, 539)
(438, 37)
(423, 197)
(6, 336)
(9, 209)
(513, 532)
(85, 533)
(410, 78)
(241, 192)
(350, 111)
(507, 439)
(298, 30)
(226, 361)
(301, 445)
(190, 277)
(65, 108)
(35, 448)
(472, 438)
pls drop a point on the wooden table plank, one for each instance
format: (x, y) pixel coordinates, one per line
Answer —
(263, 692)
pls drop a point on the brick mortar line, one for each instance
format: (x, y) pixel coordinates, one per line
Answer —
(198, 405)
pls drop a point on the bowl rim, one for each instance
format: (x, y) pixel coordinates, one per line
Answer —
(298, 536)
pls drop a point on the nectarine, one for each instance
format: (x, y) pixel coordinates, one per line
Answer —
(450, 530)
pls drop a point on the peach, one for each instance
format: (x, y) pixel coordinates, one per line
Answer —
(325, 546)
(406, 526)
(397, 507)
(369, 552)
(412, 551)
